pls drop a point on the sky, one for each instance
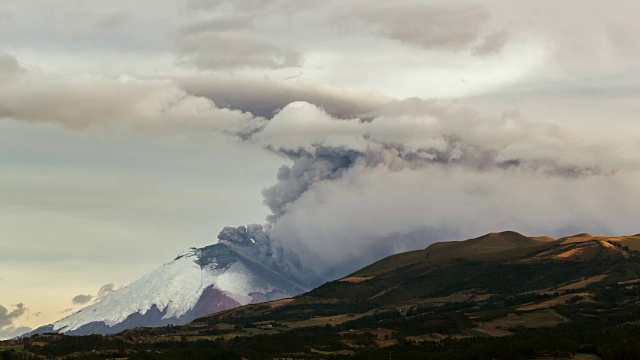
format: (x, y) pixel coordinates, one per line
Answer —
(133, 130)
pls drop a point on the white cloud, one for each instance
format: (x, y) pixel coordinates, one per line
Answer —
(225, 50)
(425, 26)
(419, 172)
(338, 226)
(155, 106)
(265, 97)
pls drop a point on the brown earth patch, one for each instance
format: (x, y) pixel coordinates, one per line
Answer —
(583, 283)
(537, 319)
(560, 300)
(339, 352)
(326, 320)
(572, 252)
(629, 282)
(426, 337)
(278, 303)
(356, 279)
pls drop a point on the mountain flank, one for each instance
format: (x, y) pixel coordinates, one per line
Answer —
(498, 296)
(236, 271)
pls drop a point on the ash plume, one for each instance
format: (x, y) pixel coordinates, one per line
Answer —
(366, 176)
(414, 172)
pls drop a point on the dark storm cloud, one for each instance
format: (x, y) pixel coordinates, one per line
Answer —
(11, 332)
(7, 318)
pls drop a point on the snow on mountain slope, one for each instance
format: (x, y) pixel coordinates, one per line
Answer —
(174, 289)
(196, 283)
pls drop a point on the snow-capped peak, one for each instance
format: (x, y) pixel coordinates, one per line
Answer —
(196, 283)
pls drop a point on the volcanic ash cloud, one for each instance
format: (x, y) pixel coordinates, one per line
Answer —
(414, 172)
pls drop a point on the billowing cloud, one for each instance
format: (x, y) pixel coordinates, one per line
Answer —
(253, 6)
(342, 143)
(265, 97)
(230, 35)
(348, 145)
(340, 224)
(112, 20)
(437, 132)
(10, 67)
(223, 44)
(7, 317)
(241, 4)
(11, 332)
(7, 326)
(422, 171)
(424, 25)
(81, 299)
(183, 104)
(82, 24)
(105, 291)
(491, 44)
(227, 23)
(156, 106)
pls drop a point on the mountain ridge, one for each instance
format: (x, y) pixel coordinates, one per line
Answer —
(500, 295)
(196, 283)
(419, 263)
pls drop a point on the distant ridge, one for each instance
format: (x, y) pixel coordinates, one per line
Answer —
(244, 280)
(579, 292)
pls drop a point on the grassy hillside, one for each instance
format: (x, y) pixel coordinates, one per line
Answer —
(499, 296)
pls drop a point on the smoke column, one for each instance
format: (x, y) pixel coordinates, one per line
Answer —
(414, 172)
